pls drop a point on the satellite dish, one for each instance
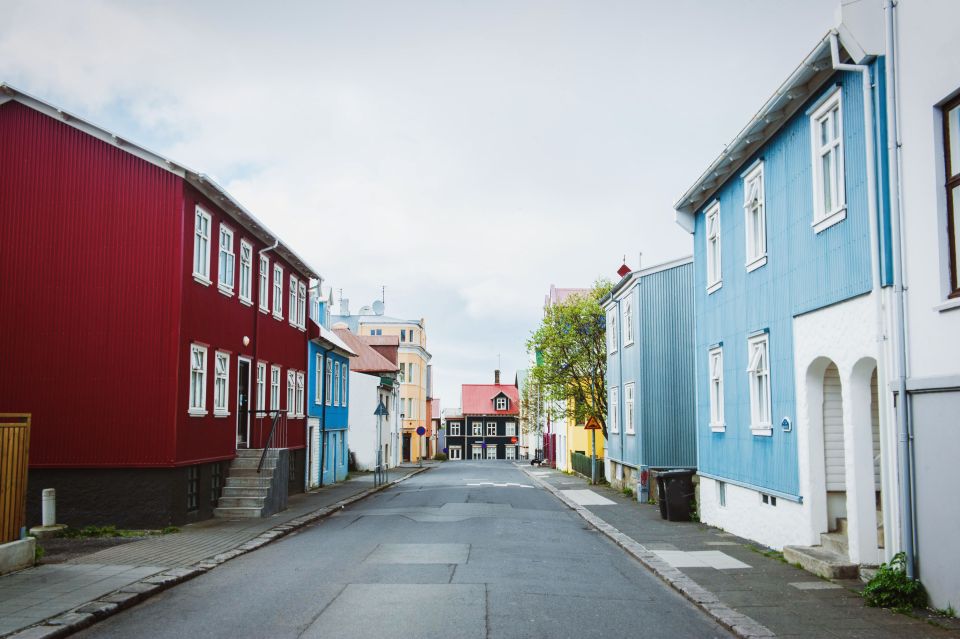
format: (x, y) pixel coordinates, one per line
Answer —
(378, 308)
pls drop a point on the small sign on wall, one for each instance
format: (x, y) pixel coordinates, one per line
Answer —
(786, 425)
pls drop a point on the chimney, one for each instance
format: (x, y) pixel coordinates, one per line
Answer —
(496, 376)
(344, 306)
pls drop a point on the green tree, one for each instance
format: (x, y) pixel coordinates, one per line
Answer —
(571, 357)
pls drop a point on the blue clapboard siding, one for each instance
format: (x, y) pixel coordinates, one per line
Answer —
(805, 271)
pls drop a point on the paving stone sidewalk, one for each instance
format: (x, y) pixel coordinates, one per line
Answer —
(71, 595)
(747, 580)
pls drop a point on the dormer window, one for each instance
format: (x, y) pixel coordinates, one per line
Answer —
(501, 403)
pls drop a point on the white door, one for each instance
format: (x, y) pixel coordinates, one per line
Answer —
(511, 452)
(477, 452)
(491, 451)
(834, 456)
(455, 452)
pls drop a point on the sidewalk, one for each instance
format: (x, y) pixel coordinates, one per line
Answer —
(748, 588)
(69, 596)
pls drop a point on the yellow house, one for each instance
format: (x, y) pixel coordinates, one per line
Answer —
(579, 438)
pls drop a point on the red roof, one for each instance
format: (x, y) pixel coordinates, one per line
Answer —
(478, 399)
(368, 359)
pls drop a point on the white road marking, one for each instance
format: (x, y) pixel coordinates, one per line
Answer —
(700, 559)
(588, 498)
(503, 485)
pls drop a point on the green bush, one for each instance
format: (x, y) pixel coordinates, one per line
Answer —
(891, 588)
(627, 491)
(440, 457)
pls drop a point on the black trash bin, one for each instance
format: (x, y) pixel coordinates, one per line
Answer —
(676, 494)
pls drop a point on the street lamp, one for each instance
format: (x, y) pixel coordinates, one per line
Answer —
(379, 476)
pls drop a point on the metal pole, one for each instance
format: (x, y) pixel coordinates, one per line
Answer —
(593, 456)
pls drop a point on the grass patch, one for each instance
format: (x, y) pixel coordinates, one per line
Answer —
(627, 491)
(94, 532)
(767, 552)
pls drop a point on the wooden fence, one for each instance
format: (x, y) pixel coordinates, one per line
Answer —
(14, 453)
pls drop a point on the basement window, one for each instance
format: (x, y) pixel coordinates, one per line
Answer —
(770, 500)
(193, 487)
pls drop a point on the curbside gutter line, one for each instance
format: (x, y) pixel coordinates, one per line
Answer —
(739, 624)
(110, 604)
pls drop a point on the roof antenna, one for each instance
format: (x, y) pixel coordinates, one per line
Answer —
(383, 295)
(340, 291)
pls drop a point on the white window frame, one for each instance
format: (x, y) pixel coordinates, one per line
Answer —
(336, 383)
(293, 305)
(615, 409)
(300, 395)
(302, 305)
(713, 247)
(510, 452)
(343, 384)
(511, 429)
(328, 381)
(758, 375)
(755, 217)
(613, 336)
(627, 320)
(198, 380)
(831, 110)
(476, 429)
(274, 388)
(221, 384)
(501, 403)
(264, 275)
(278, 291)
(246, 272)
(715, 383)
(491, 429)
(473, 451)
(261, 386)
(291, 393)
(226, 261)
(318, 383)
(491, 451)
(202, 223)
(454, 429)
(629, 412)
(456, 453)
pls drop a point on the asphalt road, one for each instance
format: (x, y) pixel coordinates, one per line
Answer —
(467, 549)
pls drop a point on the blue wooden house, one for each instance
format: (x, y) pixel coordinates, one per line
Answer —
(651, 416)
(791, 246)
(328, 398)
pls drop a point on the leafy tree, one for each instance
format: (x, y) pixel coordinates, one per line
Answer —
(571, 357)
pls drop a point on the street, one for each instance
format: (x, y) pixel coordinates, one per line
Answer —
(468, 549)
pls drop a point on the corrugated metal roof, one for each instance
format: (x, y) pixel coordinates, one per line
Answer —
(329, 339)
(204, 183)
(478, 399)
(368, 359)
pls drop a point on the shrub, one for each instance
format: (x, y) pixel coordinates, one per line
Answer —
(891, 588)
(440, 457)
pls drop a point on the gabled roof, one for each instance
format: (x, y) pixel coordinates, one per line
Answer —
(478, 399)
(805, 80)
(328, 339)
(203, 183)
(386, 345)
(368, 359)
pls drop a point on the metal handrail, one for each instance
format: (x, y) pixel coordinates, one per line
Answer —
(266, 445)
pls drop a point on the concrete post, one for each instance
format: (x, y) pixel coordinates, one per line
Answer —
(49, 501)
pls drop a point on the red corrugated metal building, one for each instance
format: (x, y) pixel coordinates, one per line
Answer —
(102, 313)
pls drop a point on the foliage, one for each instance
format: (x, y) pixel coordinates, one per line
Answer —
(694, 511)
(891, 588)
(88, 532)
(627, 491)
(169, 530)
(440, 457)
(569, 378)
(38, 553)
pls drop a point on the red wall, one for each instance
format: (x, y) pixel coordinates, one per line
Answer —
(221, 322)
(89, 296)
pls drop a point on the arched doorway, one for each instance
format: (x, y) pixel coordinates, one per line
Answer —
(834, 452)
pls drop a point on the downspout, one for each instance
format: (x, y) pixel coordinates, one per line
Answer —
(620, 415)
(904, 427)
(257, 313)
(323, 418)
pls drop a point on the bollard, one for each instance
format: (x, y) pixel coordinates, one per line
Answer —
(49, 507)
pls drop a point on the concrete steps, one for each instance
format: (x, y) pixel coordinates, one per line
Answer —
(246, 492)
(821, 561)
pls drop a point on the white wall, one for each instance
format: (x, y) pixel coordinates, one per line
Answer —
(364, 397)
(747, 516)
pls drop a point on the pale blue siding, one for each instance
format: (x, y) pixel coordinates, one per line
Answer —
(805, 271)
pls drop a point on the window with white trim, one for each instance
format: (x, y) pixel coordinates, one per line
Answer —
(501, 403)
(336, 383)
(221, 379)
(246, 271)
(714, 264)
(226, 260)
(278, 291)
(478, 429)
(343, 384)
(491, 451)
(627, 321)
(755, 217)
(201, 246)
(198, 380)
(318, 376)
(951, 165)
(291, 393)
(613, 339)
(511, 429)
(491, 429)
(615, 410)
(629, 426)
(329, 381)
(261, 386)
(302, 305)
(456, 453)
(826, 137)
(758, 372)
(300, 395)
(454, 429)
(275, 388)
(264, 283)
(511, 452)
(293, 305)
(715, 369)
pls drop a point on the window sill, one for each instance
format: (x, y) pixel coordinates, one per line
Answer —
(714, 287)
(246, 302)
(826, 222)
(218, 415)
(279, 318)
(265, 311)
(762, 431)
(194, 412)
(630, 432)
(225, 290)
(626, 344)
(718, 428)
(757, 263)
(949, 305)
(201, 279)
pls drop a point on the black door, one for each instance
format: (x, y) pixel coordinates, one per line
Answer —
(243, 404)
(406, 447)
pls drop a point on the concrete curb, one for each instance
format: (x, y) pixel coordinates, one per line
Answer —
(739, 624)
(110, 604)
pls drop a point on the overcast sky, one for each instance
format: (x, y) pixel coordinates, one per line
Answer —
(464, 154)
